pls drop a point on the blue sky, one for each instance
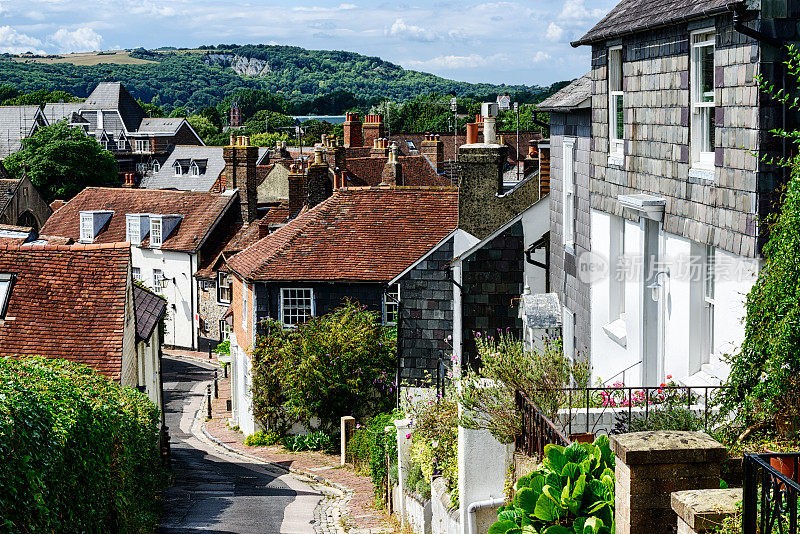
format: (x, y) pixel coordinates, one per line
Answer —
(497, 42)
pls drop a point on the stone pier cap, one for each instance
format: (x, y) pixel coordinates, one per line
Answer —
(666, 447)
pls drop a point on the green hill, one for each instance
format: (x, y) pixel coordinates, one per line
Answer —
(311, 81)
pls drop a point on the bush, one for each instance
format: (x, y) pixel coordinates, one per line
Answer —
(78, 453)
(335, 365)
(572, 491)
(368, 450)
(262, 438)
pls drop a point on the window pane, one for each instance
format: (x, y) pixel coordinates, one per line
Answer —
(618, 112)
(4, 290)
(706, 73)
(710, 265)
(615, 70)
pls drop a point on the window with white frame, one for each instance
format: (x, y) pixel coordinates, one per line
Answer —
(568, 333)
(87, 227)
(155, 232)
(244, 306)
(224, 290)
(156, 166)
(177, 167)
(568, 193)
(136, 274)
(6, 280)
(297, 306)
(703, 99)
(708, 298)
(142, 145)
(391, 305)
(224, 330)
(616, 118)
(121, 143)
(158, 277)
(133, 230)
(195, 170)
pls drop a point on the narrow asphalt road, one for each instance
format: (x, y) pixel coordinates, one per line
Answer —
(215, 491)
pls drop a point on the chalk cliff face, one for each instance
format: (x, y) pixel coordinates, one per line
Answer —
(241, 65)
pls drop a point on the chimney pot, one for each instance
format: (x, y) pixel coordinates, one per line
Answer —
(472, 133)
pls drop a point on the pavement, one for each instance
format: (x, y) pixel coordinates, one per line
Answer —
(215, 490)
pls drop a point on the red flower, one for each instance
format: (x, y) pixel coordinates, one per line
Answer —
(663, 385)
(669, 377)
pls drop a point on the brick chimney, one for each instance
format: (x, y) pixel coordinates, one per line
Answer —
(353, 136)
(392, 174)
(433, 148)
(544, 167)
(335, 154)
(380, 148)
(129, 180)
(236, 115)
(297, 189)
(373, 129)
(240, 173)
(317, 179)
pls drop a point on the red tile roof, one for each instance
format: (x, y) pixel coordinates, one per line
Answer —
(67, 302)
(417, 171)
(364, 234)
(199, 212)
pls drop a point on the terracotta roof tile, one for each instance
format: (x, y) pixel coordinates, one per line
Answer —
(199, 211)
(67, 302)
(366, 234)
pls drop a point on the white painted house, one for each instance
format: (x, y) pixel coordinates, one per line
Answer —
(675, 187)
(171, 234)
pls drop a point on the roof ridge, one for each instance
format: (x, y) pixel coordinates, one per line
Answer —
(72, 248)
(399, 188)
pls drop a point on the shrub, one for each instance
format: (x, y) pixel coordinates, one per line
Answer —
(541, 374)
(78, 453)
(572, 491)
(334, 365)
(369, 448)
(262, 438)
(316, 441)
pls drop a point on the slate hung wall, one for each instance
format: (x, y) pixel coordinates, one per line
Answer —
(493, 279)
(564, 280)
(426, 311)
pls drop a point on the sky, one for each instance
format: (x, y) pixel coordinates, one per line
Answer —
(514, 42)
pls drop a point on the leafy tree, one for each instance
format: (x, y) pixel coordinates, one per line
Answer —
(40, 97)
(61, 160)
(179, 112)
(203, 126)
(151, 109)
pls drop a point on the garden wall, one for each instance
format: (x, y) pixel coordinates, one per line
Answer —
(603, 420)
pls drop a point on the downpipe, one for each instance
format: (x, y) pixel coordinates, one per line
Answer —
(473, 508)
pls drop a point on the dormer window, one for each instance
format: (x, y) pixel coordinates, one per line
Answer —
(156, 166)
(87, 227)
(121, 143)
(136, 227)
(155, 232)
(6, 280)
(91, 222)
(177, 167)
(195, 170)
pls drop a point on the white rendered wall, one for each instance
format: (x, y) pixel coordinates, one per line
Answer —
(680, 302)
(181, 295)
(535, 223)
(482, 465)
(242, 382)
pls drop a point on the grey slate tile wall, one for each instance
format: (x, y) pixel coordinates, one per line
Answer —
(493, 279)
(572, 293)
(721, 213)
(426, 311)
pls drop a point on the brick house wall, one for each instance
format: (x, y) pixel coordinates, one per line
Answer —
(573, 293)
(426, 315)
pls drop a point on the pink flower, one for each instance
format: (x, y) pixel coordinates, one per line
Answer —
(408, 436)
(669, 377)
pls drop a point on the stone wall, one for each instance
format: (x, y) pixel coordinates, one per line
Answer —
(718, 208)
(573, 293)
(26, 207)
(426, 311)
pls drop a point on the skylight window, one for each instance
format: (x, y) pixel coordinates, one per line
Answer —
(5, 292)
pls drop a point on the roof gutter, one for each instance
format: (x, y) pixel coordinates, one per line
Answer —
(679, 19)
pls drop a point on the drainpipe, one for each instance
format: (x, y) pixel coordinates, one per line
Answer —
(473, 508)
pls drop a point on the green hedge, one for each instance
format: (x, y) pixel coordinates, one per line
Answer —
(78, 453)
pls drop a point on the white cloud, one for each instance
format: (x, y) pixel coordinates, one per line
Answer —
(409, 32)
(13, 42)
(82, 39)
(539, 57)
(554, 32)
(574, 9)
(150, 8)
(471, 61)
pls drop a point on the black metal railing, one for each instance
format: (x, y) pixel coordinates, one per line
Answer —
(771, 493)
(537, 430)
(444, 373)
(627, 405)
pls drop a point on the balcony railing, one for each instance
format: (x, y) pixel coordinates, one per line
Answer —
(770, 493)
